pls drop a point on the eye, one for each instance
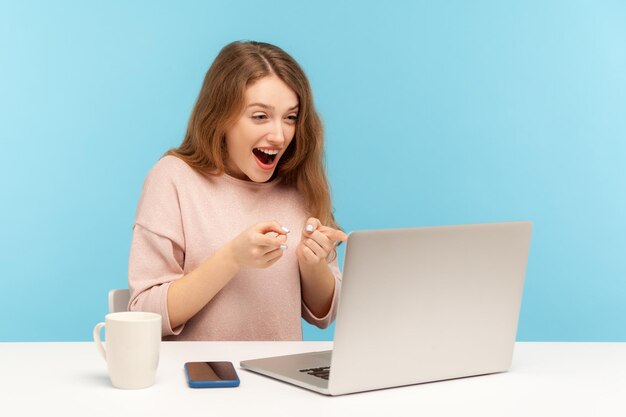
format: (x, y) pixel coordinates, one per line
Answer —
(259, 116)
(293, 118)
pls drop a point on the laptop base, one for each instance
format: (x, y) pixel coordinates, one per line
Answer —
(289, 369)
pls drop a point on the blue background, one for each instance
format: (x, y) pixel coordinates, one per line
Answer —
(435, 113)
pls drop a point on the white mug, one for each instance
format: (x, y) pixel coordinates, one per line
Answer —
(133, 341)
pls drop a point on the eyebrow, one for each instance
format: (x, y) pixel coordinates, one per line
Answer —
(267, 106)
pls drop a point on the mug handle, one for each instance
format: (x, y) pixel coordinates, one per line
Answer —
(97, 341)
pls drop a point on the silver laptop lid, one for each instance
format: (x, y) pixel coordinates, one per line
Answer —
(427, 304)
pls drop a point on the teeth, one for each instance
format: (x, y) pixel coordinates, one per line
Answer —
(267, 151)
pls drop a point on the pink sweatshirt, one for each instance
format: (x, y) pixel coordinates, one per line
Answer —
(183, 218)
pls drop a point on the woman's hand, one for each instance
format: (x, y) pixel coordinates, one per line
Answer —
(318, 242)
(260, 246)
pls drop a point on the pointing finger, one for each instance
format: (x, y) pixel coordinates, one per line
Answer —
(334, 234)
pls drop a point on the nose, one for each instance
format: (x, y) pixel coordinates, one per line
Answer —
(276, 136)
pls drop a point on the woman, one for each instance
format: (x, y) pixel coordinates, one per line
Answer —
(234, 236)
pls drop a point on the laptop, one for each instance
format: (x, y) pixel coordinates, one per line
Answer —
(418, 305)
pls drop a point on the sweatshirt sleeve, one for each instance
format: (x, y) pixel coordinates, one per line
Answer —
(324, 322)
(157, 249)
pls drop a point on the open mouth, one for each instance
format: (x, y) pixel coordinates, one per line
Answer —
(265, 156)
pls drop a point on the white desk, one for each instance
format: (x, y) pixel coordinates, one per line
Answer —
(547, 379)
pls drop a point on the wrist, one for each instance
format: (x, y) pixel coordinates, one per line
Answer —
(308, 268)
(227, 256)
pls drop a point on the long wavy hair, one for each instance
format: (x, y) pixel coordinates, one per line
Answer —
(221, 103)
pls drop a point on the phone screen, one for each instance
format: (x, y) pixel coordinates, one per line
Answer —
(211, 374)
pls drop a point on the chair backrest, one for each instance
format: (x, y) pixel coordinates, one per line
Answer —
(118, 300)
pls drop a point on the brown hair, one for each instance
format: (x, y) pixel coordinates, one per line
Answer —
(221, 102)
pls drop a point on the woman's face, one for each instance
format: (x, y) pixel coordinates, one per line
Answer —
(259, 138)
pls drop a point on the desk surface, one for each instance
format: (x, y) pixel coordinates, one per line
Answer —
(547, 379)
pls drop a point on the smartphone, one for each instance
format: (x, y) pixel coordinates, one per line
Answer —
(211, 374)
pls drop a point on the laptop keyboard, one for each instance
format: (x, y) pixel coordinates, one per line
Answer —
(321, 372)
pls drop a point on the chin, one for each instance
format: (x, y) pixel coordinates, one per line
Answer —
(260, 177)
